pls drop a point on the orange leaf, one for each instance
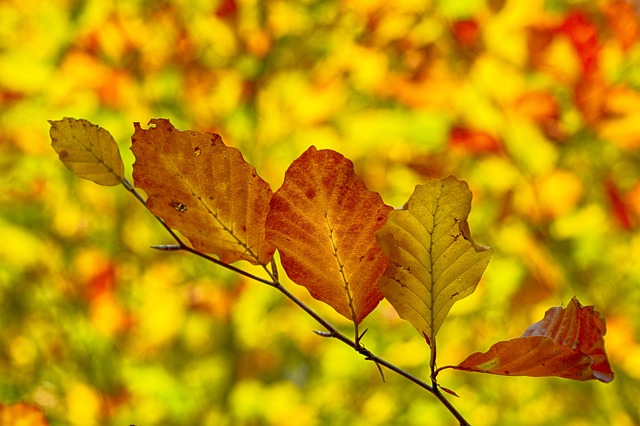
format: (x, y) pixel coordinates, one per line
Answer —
(539, 106)
(622, 18)
(205, 190)
(589, 94)
(323, 222)
(566, 343)
(22, 414)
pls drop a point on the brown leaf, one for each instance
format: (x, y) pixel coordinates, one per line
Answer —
(323, 220)
(204, 189)
(566, 343)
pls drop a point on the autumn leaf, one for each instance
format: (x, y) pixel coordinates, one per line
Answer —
(323, 220)
(434, 262)
(204, 189)
(22, 414)
(566, 343)
(87, 150)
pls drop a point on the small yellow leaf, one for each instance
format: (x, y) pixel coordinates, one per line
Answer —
(87, 150)
(433, 261)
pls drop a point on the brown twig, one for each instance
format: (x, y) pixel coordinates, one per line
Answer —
(331, 331)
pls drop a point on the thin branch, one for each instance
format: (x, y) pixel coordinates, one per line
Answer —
(331, 331)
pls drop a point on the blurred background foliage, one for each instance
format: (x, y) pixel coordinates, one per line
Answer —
(534, 103)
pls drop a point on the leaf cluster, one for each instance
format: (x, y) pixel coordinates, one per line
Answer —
(336, 238)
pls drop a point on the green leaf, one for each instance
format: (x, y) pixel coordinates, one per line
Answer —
(434, 262)
(87, 150)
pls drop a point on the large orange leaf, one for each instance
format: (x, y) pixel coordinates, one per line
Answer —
(204, 189)
(434, 262)
(87, 150)
(323, 221)
(566, 343)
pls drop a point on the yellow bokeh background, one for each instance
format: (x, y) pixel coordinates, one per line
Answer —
(535, 104)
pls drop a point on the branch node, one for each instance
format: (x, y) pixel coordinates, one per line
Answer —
(167, 247)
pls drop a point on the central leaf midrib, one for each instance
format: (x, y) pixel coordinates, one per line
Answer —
(431, 267)
(246, 248)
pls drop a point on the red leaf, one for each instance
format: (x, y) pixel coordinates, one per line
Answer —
(620, 208)
(227, 9)
(565, 343)
(583, 35)
(467, 32)
(473, 141)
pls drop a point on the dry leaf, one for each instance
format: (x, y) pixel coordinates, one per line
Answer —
(434, 262)
(204, 189)
(87, 150)
(323, 220)
(566, 343)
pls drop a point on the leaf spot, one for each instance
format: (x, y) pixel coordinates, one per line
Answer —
(63, 154)
(178, 206)
(311, 194)
(197, 151)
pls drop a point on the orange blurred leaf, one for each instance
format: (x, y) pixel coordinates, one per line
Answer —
(22, 414)
(473, 141)
(566, 343)
(589, 95)
(433, 261)
(538, 106)
(323, 220)
(623, 19)
(87, 150)
(204, 189)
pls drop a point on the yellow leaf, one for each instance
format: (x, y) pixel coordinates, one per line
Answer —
(433, 261)
(87, 150)
(204, 189)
